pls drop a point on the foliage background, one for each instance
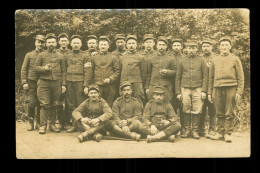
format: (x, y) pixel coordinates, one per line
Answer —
(173, 23)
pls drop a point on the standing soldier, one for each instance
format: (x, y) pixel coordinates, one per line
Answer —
(177, 46)
(127, 113)
(105, 69)
(92, 45)
(29, 80)
(226, 84)
(63, 117)
(91, 115)
(120, 44)
(52, 81)
(133, 68)
(191, 88)
(77, 63)
(160, 120)
(161, 70)
(208, 107)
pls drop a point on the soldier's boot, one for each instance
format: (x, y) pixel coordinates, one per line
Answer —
(89, 133)
(52, 115)
(43, 120)
(42, 130)
(171, 138)
(187, 125)
(97, 137)
(31, 112)
(135, 136)
(182, 123)
(195, 124)
(156, 137)
(37, 118)
(73, 128)
(132, 135)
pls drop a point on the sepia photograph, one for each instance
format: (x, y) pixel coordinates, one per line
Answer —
(132, 83)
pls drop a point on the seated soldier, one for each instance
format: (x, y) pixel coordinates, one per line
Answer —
(90, 116)
(127, 113)
(160, 120)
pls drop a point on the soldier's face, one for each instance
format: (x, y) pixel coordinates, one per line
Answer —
(103, 45)
(63, 42)
(127, 91)
(76, 44)
(51, 43)
(192, 50)
(206, 48)
(161, 46)
(93, 95)
(92, 44)
(120, 44)
(158, 97)
(224, 47)
(39, 44)
(149, 44)
(176, 46)
(131, 44)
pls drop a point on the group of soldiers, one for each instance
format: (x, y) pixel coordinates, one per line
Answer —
(132, 94)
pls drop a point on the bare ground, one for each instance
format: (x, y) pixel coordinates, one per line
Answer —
(32, 145)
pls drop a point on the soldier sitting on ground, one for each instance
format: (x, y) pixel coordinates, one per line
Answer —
(160, 120)
(127, 113)
(90, 116)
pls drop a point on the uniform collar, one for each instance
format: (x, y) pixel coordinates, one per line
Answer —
(38, 51)
(207, 55)
(146, 51)
(64, 50)
(76, 51)
(222, 54)
(132, 52)
(161, 54)
(54, 50)
(103, 53)
(128, 100)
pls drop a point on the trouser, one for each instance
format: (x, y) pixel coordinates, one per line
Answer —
(133, 126)
(208, 108)
(74, 97)
(191, 121)
(33, 101)
(48, 92)
(224, 100)
(174, 101)
(91, 129)
(108, 93)
(171, 129)
(168, 92)
(191, 100)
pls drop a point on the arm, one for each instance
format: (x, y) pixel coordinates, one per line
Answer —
(205, 76)
(63, 70)
(149, 73)
(77, 113)
(107, 112)
(211, 77)
(37, 65)
(24, 70)
(137, 112)
(116, 69)
(115, 111)
(147, 114)
(143, 70)
(178, 78)
(172, 69)
(240, 76)
(89, 71)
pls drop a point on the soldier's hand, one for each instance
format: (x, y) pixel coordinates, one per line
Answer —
(63, 89)
(86, 90)
(85, 120)
(107, 80)
(123, 123)
(165, 122)
(47, 67)
(154, 130)
(147, 91)
(126, 130)
(95, 121)
(26, 86)
(238, 97)
(179, 97)
(163, 72)
(210, 99)
(203, 95)
(208, 64)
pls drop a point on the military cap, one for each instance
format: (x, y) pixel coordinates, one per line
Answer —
(123, 84)
(51, 35)
(177, 40)
(75, 36)
(119, 36)
(103, 37)
(207, 41)
(191, 43)
(225, 38)
(162, 38)
(148, 36)
(158, 89)
(63, 34)
(131, 37)
(40, 37)
(92, 36)
(93, 87)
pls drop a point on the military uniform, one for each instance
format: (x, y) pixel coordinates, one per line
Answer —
(154, 113)
(91, 109)
(30, 77)
(191, 80)
(49, 84)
